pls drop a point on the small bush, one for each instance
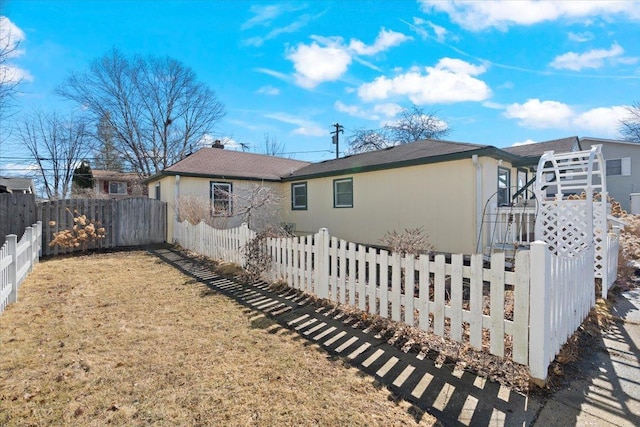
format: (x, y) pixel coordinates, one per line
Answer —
(84, 232)
(412, 241)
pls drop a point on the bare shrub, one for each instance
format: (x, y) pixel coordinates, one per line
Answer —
(410, 241)
(257, 259)
(196, 209)
(83, 232)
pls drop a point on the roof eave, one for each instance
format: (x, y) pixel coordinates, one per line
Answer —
(488, 151)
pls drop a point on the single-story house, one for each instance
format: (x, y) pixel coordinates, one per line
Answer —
(445, 187)
(623, 170)
(17, 185)
(117, 185)
(224, 180)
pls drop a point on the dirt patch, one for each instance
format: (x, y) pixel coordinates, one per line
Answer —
(124, 339)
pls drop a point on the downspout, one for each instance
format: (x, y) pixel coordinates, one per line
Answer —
(478, 166)
(176, 196)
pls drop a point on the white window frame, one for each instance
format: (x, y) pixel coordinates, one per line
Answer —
(120, 185)
(294, 196)
(228, 191)
(625, 166)
(504, 189)
(336, 182)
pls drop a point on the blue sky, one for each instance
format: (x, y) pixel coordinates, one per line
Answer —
(498, 73)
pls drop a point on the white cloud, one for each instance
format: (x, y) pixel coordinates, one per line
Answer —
(305, 127)
(11, 36)
(603, 121)
(354, 111)
(328, 58)
(386, 39)
(388, 109)
(537, 114)
(580, 37)
(451, 80)
(265, 15)
(269, 90)
(315, 64)
(273, 73)
(501, 14)
(291, 28)
(594, 58)
(493, 105)
(440, 32)
(527, 142)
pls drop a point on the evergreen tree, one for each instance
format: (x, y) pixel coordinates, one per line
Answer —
(82, 176)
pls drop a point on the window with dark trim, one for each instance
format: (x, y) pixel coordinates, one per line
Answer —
(619, 167)
(157, 191)
(343, 193)
(299, 196)
(220, 193)
(504, 186)
(117, 187)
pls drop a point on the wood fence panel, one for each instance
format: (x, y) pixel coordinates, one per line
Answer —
(127, 222)
(17, 212)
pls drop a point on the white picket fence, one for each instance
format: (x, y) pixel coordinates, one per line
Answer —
(17, 259)
(532, 310)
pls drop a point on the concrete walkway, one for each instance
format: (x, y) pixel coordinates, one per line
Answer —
(608, 395)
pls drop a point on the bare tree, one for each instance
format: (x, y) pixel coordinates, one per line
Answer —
(10, 76)
(414, 124)
(272, 147)
(630, 125)
(155, 106)
(57, 145)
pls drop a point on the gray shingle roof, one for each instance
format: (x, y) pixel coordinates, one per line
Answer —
(413, 153)
(217, 162)
(19, 184)
(537, 149)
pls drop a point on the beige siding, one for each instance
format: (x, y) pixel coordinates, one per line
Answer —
(172, 188)
(439, 197)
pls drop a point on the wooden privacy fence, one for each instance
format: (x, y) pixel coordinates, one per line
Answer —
(17, 212)
(16, 261)
(526, 314)
(127, 222)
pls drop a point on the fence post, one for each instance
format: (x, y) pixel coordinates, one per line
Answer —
(12, 251)
(243, 239)
(28, 234)
(539, 312)
(323, 264)
(38, 240)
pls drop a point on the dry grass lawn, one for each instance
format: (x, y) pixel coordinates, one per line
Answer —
(125, 339)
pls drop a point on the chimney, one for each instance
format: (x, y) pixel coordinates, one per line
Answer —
(218, 144)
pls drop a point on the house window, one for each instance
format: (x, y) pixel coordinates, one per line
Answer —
(619, 167)
(343, 193)
(299, 196)
(117, 187)
(504, 186)
(522, 178)
(220, 198)
(157, 188)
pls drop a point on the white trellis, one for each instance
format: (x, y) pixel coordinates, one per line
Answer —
(570, 225)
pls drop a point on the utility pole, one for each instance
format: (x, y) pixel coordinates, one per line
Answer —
(336, 138)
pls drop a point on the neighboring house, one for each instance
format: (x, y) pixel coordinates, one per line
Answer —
(623, 169)
(223, 179)
(17, 185)
(117, 185)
